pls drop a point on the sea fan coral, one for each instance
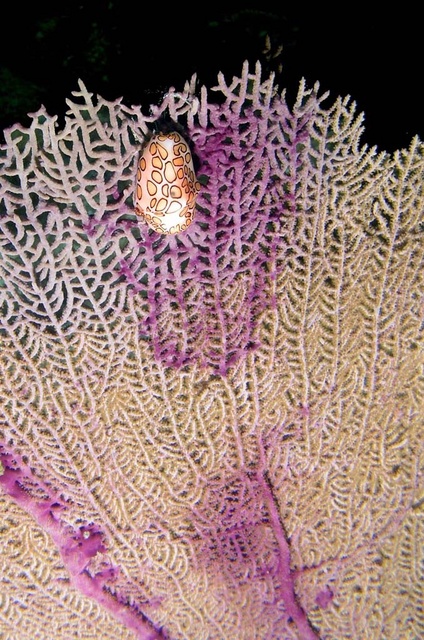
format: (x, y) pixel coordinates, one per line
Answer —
(217, 434)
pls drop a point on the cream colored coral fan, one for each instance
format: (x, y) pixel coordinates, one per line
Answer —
(214, 435)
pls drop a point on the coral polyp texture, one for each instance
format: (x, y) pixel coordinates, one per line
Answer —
(213, 435)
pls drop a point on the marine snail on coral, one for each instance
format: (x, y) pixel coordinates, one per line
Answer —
(167, 188)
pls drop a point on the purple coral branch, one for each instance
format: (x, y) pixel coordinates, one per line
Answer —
(284, 572)
(75, 547)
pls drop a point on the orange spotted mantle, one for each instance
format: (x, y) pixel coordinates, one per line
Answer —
(166, 184)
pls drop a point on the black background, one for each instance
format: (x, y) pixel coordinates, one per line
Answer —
(137, 50)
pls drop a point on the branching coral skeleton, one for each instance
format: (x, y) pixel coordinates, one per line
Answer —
(214, 434)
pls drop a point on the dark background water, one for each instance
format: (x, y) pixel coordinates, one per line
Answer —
(137, 50)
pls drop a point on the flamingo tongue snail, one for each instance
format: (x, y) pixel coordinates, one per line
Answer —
(167, 188)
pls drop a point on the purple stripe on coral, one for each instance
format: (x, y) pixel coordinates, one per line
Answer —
(76, 547)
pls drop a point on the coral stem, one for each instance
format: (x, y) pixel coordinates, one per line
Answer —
(285, 573)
